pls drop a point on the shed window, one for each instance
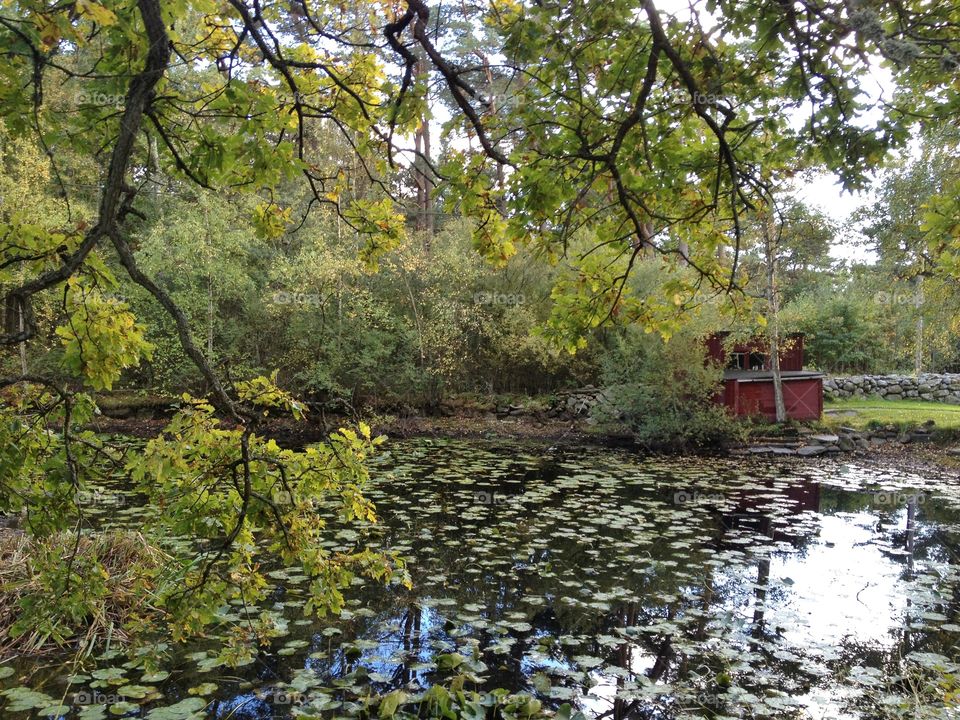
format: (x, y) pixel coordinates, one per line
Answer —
(747, 361)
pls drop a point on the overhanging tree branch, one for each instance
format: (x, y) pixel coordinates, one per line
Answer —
(138, 98)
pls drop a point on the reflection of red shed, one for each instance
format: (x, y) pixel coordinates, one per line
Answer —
(748, 382)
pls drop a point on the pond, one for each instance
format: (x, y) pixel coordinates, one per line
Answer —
(627, 586)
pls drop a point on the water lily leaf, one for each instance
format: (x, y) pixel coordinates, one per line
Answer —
(422, 666)
(390, 703)
(109, 674)
(123, 708)
(449, 661)
(92, 712)
(20, 699)
(521, 627)
(203, 689)
(54, 711)
(541, 682)
(156, 676)
(189, 709)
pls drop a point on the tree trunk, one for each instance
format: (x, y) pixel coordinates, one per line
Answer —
(421, 170)
(208, 250)
(210, 314)
(427, 208)
(418, 176)
(918, 343)
(773, 316)
(421, 178)
(918, 350)
(23, 345)
(492, 94)
(153, 166)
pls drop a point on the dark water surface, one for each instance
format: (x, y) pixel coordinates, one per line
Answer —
(630, 587)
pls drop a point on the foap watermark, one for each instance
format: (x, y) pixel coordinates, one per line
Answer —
(489, 497)
(689, 497)
(286, 697)
(289, 498)
(894, 497)
(295, 98)
(493, 298)
(281, 497)
(701, 98)
(707, 699)
(285, 297)
(95, 697)
(705, 298)
(887, 298)
(100, 498)
(101, 99)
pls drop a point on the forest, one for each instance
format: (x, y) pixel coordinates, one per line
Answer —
(356, 359)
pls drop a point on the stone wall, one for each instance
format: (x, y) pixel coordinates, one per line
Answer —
(928, 386)
(577, 403)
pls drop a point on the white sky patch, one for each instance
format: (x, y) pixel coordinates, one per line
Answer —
(824, 192)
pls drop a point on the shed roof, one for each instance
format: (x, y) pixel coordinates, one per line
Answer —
(760, 375)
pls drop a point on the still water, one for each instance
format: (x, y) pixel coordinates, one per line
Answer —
(629, 587)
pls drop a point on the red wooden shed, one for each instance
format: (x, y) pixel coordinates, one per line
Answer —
(748, 381)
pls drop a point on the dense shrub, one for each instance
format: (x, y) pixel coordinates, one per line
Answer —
(664, 390)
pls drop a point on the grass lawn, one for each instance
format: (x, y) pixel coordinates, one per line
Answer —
(859, 412)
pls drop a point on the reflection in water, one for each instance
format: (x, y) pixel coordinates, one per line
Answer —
(632, 587)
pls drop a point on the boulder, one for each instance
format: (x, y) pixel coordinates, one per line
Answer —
(783, 451)
(771, 450)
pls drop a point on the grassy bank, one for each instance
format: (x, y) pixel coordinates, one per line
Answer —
(867, 412)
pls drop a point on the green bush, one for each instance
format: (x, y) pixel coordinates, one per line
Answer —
(664, 391)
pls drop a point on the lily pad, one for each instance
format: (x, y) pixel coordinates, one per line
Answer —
(21, 698)
(202, 689)
(189, 709)
(123, 708)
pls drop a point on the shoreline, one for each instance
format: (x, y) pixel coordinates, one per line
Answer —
(927, 456)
